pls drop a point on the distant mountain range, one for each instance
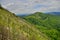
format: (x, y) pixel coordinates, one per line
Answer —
(22, 15)
(54, 13)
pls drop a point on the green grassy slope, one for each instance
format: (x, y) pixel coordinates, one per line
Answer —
(15, 28)
(46, 23)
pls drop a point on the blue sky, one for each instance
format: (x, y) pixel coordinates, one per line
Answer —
(31, 6)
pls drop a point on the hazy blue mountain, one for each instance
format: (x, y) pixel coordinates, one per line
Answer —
(54, 13)
(22, 15)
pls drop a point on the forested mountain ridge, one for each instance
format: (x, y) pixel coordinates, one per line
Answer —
(47, 23)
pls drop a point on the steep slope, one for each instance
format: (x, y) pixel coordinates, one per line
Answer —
(15, 28)
(46, 23)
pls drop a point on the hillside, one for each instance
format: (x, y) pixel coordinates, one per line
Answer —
(46, 23)
(16, 28)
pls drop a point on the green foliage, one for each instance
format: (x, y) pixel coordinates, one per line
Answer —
(46, 23)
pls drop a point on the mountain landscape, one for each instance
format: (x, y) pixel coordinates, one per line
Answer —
(37, 26)
(29, 19)
(13, 27)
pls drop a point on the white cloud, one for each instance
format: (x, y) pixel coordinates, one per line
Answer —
(28, 6)
(9, 4)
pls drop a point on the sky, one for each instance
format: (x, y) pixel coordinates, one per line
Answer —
(31, 6)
